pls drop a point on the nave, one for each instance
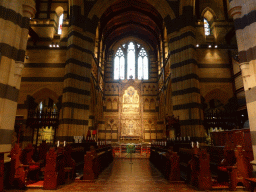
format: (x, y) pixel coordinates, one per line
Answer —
(124, 175)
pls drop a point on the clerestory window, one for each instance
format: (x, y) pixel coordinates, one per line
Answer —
(60, 24)
(131, 62)
(207, 29)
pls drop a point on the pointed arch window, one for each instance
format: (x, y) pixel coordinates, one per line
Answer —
(131, 62)
(60, 24)
(207, 29)
(119, 64)
(142, 64)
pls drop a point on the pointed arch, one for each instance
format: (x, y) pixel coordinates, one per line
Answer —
(45, 93)
(219, 94)
(209, 14)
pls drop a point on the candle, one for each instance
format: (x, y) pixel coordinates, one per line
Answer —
(197, 144)
(192, 144)
(58, 143)
(64, 143)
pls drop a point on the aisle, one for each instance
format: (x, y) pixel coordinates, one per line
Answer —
(121, 176)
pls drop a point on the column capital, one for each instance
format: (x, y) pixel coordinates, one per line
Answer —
(235, 9)
(19, 65)
(29, 8)
(245, 70)
(235, 12)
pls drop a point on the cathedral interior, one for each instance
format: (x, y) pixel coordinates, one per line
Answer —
(125, 71)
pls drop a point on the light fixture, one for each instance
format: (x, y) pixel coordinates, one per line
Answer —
(216, 46)
(210, 46)
(197, 45)
(54, 45)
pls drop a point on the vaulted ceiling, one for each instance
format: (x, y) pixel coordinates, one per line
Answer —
(131, 18)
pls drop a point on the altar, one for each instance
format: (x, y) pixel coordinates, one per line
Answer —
(142, 150)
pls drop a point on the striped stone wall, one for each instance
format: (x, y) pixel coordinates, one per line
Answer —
(14, 19)
(244, 15)
(77, 83)
(185, 77)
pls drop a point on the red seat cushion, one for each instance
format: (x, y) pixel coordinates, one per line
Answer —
(33, 167)
(222, 169)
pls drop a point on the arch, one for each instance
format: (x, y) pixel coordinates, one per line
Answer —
(109, 104)
(161, 6)
(219, 94)
(146, 104)
(45, 93)
(209, 14)
(115, 104)
(152, 104)
(59, 11)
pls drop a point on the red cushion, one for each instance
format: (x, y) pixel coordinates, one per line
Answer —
(223, 169)
(33, 167)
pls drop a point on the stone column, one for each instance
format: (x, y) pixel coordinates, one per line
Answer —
(185, 80)
(77, 79)
(245, 25)
(13, 42)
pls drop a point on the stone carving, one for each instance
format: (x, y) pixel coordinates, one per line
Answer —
(130, 100)
(131, 128)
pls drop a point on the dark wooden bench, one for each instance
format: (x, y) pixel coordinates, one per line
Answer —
(200, 169)
(95, 161)
(23, 168)
(166, 161)
(252, 182)
(54, 173)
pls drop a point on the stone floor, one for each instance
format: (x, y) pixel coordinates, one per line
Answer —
(124, 175)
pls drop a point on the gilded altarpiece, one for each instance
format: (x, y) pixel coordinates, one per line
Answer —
(131, 114)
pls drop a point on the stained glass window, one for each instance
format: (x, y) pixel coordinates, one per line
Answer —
(207, 29)
(131, 61)
(60, 24)
(125, 66)
(119, 65)
(142, 64)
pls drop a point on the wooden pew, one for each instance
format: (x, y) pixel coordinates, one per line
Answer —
(236, 164)
(23, 169)
(166, 161)
(231, 163)
(54, 174)
(200, 169)
(185, 155)
(95, 161)
(42, 152)
(172, 171)
(69, 163)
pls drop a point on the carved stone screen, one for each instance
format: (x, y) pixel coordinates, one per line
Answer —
(131, 120)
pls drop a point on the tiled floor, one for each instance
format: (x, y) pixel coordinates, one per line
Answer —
(126, 176)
